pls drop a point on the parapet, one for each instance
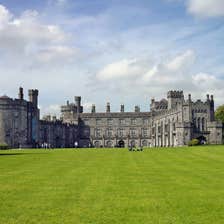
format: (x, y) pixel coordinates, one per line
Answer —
(33, 96)
(175, 94)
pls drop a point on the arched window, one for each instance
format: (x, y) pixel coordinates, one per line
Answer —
(144, 143)
(199, 123)
(97, 144)
(195, 123)
(132, 143)
(203, 124)
(109, 144)
(174, 127)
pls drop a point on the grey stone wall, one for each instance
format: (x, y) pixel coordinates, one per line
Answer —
(19, 122)
(170, 122)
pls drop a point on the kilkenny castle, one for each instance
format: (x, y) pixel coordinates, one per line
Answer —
(173, 121)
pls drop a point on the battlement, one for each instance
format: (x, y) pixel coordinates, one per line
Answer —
(175, 94)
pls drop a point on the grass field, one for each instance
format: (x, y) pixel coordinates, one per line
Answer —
(181, 185)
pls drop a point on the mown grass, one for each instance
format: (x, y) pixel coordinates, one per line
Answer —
(181, 185)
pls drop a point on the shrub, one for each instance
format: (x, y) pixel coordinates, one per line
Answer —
(219, 113)
(193, 142)
(4, 146)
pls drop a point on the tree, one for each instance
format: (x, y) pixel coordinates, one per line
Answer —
(219, 113)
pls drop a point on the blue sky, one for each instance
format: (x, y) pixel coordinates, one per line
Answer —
(108, 50)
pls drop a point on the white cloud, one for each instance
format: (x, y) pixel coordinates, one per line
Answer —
(172, 73)
(206, 8)
(206, 81)
(132, 69)
(4, 16)
(55, 54)
(130, 62)
(182, 61)
(126, 68)
(53, 109)
(28, 37)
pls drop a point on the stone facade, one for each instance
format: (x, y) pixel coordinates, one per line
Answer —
(19, 120)
(169, 122)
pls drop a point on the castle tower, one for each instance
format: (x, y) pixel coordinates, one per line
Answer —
(33, 97)
(175, 98)
(212, 109)
(78, 104)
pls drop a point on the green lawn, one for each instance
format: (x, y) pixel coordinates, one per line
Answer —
(181, 185)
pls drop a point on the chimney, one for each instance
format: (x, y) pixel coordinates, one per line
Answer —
(108, 108)
(93, 110)
(78, 103)
(137, 109)
(189, 97)
(122, 108)
(21, 95)
(208, 99)
(212, 98)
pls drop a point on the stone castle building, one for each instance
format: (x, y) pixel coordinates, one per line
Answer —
(169, 122)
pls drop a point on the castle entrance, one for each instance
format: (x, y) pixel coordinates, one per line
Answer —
(202, 140)
(121, 144)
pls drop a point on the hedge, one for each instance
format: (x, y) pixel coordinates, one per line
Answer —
(4, 146)
(193, 142)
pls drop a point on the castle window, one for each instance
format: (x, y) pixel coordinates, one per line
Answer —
(109, 132)
(145, 121)
(109, 121)
(16, 123)
(133, 132)
(203, 124)
(133, 121)
(97, 144)
(97, 133)
(144, 132)
(166, 127)
(7, 134)
(194, 121)
(121, 133)
(199, 124)
(174, 127)
(122, 121)
(109, 144)
(16, 114)
(98, 121)
(144, 143)
(153, 130)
